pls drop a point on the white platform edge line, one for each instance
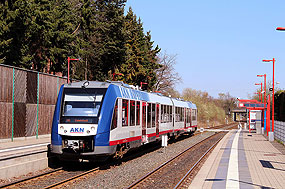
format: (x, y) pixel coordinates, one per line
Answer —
(233, 172)
(23, 147)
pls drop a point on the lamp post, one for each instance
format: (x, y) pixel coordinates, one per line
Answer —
(264, 86)
(273, 61)
(258, 95)
(280, 28)
(143, 83)
(116, 74)
(260, 91)
(68, 60)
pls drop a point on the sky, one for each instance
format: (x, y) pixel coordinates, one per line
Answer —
(220, 44)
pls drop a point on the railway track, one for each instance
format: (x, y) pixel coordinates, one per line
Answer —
(51, 179)
(174, 173)
(59, 177)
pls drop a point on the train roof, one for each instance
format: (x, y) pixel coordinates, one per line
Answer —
(91, 84)
(126, 91)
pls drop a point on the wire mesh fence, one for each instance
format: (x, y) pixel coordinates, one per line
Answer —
(279, 131)
(27, 101)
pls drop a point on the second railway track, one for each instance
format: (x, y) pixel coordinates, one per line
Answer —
(169, 174)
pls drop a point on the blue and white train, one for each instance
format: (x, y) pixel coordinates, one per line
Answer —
(94, 120)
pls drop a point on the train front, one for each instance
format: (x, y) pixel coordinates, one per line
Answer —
(76, 120)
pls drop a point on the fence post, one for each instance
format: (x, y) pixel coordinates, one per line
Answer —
(13, 104)
(37, 134)
(57, 85)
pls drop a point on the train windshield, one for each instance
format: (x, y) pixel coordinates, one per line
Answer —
(81, 105)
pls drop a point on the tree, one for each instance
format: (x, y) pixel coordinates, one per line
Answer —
(167, 78)
(141, 56)
(107, 39)
(227, 102)
(209, 108)
(37, 32)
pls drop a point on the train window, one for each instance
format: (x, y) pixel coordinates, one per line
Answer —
(177, 114)
(165, 113)
(170, 113)
(81, 106)
(144, 105)
(132, 112)
(138, 105)
(148, 115)
(115, 116)
(125, 112)
(193, 115)
(153, 112)
(162, 113)
(183, 114)
(188, 115)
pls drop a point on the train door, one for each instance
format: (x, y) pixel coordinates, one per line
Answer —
(185, 117)
(144, 106)
(190, 122)
(157, 119)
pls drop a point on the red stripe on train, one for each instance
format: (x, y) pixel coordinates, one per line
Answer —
(151, 134)
(115, 142)
(164, 132)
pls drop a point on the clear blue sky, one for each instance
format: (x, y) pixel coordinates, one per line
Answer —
(219, 44)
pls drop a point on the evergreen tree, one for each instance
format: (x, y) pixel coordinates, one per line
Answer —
(35, 32)
(108, 40)
(141, 60)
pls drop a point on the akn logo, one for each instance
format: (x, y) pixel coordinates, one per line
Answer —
(77, 130)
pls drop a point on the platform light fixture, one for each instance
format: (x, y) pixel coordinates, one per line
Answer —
(260, 90)
(264, 75)
(273, 62)
(116, 74)
(143, 83)
(280, 28)
(68, 62)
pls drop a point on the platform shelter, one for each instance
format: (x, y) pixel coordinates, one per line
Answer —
(253, 113)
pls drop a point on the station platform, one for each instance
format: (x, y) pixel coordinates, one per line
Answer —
(23, 155)
(22, 144)
(243, 160)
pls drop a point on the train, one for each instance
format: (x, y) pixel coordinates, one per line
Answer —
(95, 120)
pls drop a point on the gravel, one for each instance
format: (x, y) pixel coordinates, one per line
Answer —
(125, 174)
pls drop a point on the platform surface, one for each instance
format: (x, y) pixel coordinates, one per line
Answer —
(23, 145)
(242, 160)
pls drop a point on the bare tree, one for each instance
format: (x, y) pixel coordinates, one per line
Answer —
(167, 77)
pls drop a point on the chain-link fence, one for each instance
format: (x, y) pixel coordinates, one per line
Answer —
(27, 101)
(279, 131)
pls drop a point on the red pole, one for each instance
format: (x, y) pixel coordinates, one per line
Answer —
(273, 99)
(261, 93)
(264, 89)
(268, 115)
(68, 59)
(249, 121)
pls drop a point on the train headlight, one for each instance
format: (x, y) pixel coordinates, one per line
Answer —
(92, 128)
(61, 127)
(88, 131)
